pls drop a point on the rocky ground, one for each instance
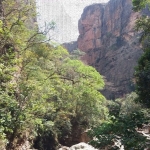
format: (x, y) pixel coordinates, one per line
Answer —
(80, 146)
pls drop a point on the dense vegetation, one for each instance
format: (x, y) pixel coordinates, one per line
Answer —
(43, 90)
(131, 113)
(126, 118)
(142, 71)
(46, 94)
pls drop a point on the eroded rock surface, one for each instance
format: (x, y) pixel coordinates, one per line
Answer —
(111, 44)
(80, 146)
(70, 46)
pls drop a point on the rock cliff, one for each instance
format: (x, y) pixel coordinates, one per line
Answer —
(111, 44)
(70, 46)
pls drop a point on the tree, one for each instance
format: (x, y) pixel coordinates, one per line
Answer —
(142, 71)
(140, 4)
(142, 75)
(13, 34)
(42, 91)
(122, 128)
(73, 91)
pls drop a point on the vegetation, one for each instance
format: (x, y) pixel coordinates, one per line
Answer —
(47, 93)
(126, 117)
(130, 114)
(140, 4)
(142, 78)
(42, 90)
(142, 71)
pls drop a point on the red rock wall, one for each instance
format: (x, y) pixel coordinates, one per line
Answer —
(111, 44)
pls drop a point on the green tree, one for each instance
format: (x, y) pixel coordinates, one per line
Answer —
(42, 91)
(140, 4)
(122, 127)
(142, 75)
(142, 71)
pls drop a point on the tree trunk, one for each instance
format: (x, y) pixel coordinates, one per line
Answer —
(1, 10)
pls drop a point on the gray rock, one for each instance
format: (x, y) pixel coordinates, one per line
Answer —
(80, 146)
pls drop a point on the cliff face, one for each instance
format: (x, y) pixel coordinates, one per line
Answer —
(112, 46)
(70, 46)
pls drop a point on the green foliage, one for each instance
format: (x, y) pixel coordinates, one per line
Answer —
(142, 71)
(76, 54)
(142, 76)
(143, 25)
(122, 129)
(114, 108)
(122, 126)
(42, 90)
(140, 4)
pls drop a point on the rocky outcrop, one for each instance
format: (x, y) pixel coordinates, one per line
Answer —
(80, 146)
(70, 46)
(111, 44)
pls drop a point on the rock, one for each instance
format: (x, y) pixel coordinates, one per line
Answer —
(25, 146)
(80, 146)
(70, 46)
(111, 44)
(64, 148)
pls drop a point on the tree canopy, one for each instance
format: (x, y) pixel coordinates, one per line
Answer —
(140, 4)
(142, 71)
(121, 130)
(42, 90)
(128, 115)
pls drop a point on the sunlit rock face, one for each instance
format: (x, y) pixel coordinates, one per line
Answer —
(65, 13)
(111, 44)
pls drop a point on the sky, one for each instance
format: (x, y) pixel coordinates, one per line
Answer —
(65, 13)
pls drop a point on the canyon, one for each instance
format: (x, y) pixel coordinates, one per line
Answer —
(49, 100)
(107, 35)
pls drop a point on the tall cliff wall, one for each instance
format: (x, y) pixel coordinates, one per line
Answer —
(111, 44)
